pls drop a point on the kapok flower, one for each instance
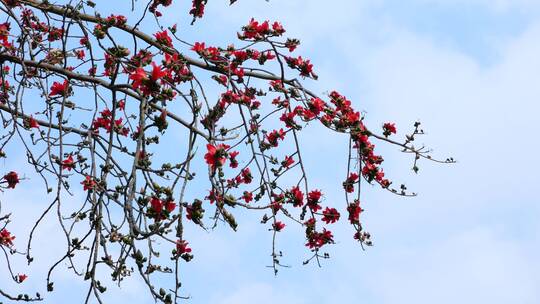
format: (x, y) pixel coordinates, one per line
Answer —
(88, 183)
(247, 196)
(318, 239)
(216, 155)
(232, 158)
(182, 247)
(6, 239)
(313, 200)
(389, 128)
(12, 179)
(354, 210)
(32, 123)
(138, 76)
(163, 38)
(21, 278)
(330, 215)
(59, 89)
(287, 162)
(68, 163)
(297, 196)
(348, 184)
(246, 176)
(278, 226)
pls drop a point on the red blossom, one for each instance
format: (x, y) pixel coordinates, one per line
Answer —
(80, 54)
(246, 176)
(247, 196)
(273, 137)
(287, 162)
(32, 123)
(59, 89)
(232, 158)
(182, 247)
(278, 226)
(330, 215)
(313, 200)
(348, 184)
(12, 179)
(6, 239)
(354, 210)
(318, 239)
(163, 38)
(68, 163)
(216, 155)
(88, 183)
(21, 278)
(389, 128)
(297, 196)
(138, 76)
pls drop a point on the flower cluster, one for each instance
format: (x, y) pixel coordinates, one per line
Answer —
(260, 31)
(156, 3)
(318, 239)
(160, 209)
(6, 239)
(148, 84)
(106, 122)
(197, 8)
(304, 66)
(163, 38)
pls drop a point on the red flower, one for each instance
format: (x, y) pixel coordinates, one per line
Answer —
(122, 104)
(248, 196)
(232, 158)
(216, 155)
(198, 47)
(316, 105)
(157, 72)
(182, 247)
(80, 54)
(88, 183)
(68, 163)
(313, 200)
(197, 9)
(60, 89)
(278, 226)
(330, 215)
(21, 278)
(246, 176)
(32, 123)
(349, 183)
(12, 179)
(170, 206)
(318, 239)
(273, 137)
(6, 239)
(389, 128)
(163, 38)
(278, 28)
(287, 162)
(297, 197)
(156, 204)
(138, 76)
(354, 212)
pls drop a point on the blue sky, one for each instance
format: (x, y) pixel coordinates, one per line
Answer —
(470, 71)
